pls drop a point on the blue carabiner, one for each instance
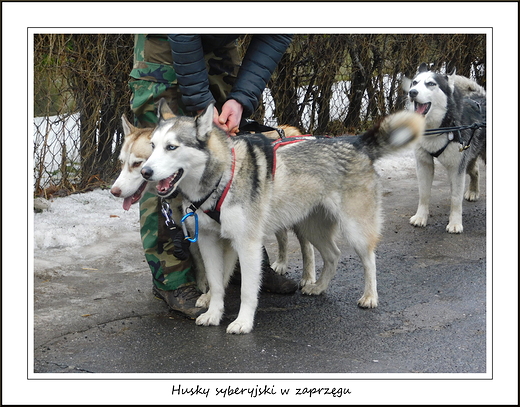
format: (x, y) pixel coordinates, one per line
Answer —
(186, 235)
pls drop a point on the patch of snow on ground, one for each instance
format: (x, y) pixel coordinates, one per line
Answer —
(96, 217)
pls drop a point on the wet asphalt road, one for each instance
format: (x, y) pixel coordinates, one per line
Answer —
(431, 316)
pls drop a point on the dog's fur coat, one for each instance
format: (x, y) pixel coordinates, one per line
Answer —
(320, 187)
(448, 101)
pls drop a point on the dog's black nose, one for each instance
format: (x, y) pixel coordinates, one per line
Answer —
(146, 172)
(413, 93)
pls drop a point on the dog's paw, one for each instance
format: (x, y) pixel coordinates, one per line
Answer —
(209, 318)
(279, 268)
(240, 327)
(418, 220)
(312, 289)
(454, 227)
(471, 196)
(368, 301)
(203, 300)
(307, 281)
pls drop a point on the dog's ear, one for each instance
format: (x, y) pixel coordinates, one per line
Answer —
(204, 122)
(406, 84)
(423, 68)
(453, 72)
(450, 78)
(163, 110)
(127, 126)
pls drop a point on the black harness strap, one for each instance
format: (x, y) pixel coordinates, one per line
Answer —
(196, 205)
(456, 136)
(450, 140)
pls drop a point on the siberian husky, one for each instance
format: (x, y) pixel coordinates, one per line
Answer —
(448, 101)
(238, 189)
(130, 185)
(136, 149)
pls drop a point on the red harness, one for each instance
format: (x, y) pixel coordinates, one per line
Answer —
(285, 141)
(215, 213)
(226, 189)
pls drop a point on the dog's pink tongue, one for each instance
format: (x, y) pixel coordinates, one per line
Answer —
(127, 203)
(421, 108)
(164, 184)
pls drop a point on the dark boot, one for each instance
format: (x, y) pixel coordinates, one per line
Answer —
(181, 300)
(271, 281)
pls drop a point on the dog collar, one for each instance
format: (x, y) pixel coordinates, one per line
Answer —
(215, 212)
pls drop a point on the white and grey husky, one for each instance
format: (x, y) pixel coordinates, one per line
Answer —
(130, 185)
(448, 102)
(238, 189)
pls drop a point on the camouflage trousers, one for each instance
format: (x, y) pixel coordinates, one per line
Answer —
(168, 272)
(153, 78)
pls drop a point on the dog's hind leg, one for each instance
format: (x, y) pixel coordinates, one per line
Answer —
(425, 170)
(320, 230)
(368, 258)
(473, 191)
(280, 265)
(362, 228)
(309, 267)
(364, 236)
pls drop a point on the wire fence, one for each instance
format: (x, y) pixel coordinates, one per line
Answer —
(324, 84)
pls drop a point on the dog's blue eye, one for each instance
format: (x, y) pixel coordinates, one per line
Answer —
(430, 84)
(153, 145)
(170, 147)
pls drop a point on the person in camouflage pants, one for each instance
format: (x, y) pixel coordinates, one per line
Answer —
(153, 77)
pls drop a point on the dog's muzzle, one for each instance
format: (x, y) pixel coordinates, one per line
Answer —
(421, 108)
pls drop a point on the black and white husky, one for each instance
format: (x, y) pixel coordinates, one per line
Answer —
(454, 103)
(240, 189)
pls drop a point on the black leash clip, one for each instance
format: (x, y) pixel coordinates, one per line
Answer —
(181, 245)
(167, 213)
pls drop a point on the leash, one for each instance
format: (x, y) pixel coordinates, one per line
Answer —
(251, 126)
(454, 130)
(178, 235)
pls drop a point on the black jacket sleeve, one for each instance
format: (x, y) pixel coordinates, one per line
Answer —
(262, 57)
(190, 68)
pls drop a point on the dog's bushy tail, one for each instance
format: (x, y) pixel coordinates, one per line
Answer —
(395, 132)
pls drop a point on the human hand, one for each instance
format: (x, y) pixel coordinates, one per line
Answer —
(215, 119)
(229, 119)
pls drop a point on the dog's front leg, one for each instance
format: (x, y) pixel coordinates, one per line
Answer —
(457, 181)
(425, 170)
(473, 191)
(250, 257)
(230, 261)
(212, 251)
